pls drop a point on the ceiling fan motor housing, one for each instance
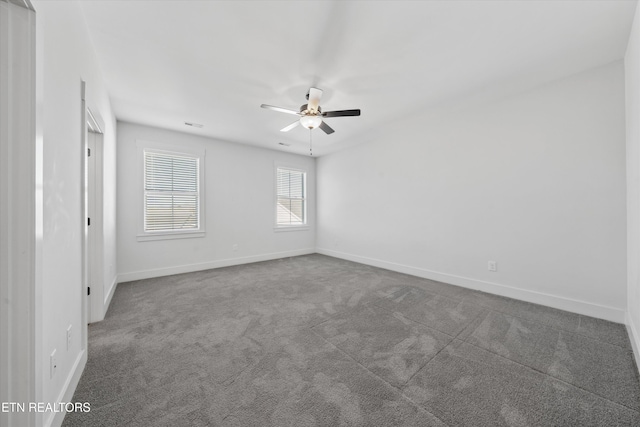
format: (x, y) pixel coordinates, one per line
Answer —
(305, 107)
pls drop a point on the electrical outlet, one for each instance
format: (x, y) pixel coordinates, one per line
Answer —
(69, 338)
(493, 266)
(53, 361)
(234, 248)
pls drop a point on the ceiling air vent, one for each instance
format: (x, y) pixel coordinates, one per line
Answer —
(195, 125)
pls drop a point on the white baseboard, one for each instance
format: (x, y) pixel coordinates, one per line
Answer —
(110, 292)
(66, 395)
(576, 306)
(634, 337)
(179, 269)
(109, 296)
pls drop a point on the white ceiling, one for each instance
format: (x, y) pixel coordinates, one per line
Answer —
(215, 62)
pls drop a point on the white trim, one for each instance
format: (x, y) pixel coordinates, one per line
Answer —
(93, 123)
(291, 228)
(176, 149)
(23, 3)
(576, 306)
(287, 166)
(109, 295)
(168, 235)
(634, 337)
(168, 271)
(84, 214)
(39, 207)
(66, 394)
(172, 149)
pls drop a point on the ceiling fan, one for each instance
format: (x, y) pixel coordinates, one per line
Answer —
(311, 115)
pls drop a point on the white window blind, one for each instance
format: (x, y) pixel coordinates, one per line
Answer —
(171, 192)
(291, 203)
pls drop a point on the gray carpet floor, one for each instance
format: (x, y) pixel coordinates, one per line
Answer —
(318, 341)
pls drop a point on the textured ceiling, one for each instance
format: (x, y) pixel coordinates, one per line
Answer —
(215, 62)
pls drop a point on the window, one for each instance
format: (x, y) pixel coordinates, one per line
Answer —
(291, 204)
(172, 199)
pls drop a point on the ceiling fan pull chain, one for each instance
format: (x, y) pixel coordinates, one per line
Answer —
(310, 144)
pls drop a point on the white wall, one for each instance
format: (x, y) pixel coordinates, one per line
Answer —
(240, 207)
(19, 215)
(535, 182)
(66, 57)
(632, 87)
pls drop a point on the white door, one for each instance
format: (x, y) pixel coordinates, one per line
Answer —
(93, 282)
(90, 209)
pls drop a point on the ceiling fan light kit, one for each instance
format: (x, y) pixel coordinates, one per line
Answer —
(310, 122)
(311, 115)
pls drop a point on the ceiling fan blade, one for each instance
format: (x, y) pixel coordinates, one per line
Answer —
(280, 109)
(341, 113)
(326, 128)
(291, 126)
(314, 98)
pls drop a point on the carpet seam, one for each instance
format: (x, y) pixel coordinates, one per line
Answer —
(550, 376)
(465, 340)
(428, 361)
(420, 323)
(557, 328)
(471, 323)
(382, 379)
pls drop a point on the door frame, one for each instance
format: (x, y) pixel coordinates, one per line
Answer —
(94, 210)
(84, 229)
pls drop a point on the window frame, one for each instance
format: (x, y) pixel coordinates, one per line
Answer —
(154, 147)
(292, 227)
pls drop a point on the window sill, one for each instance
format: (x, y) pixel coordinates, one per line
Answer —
(291, 228)
(169, 236)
